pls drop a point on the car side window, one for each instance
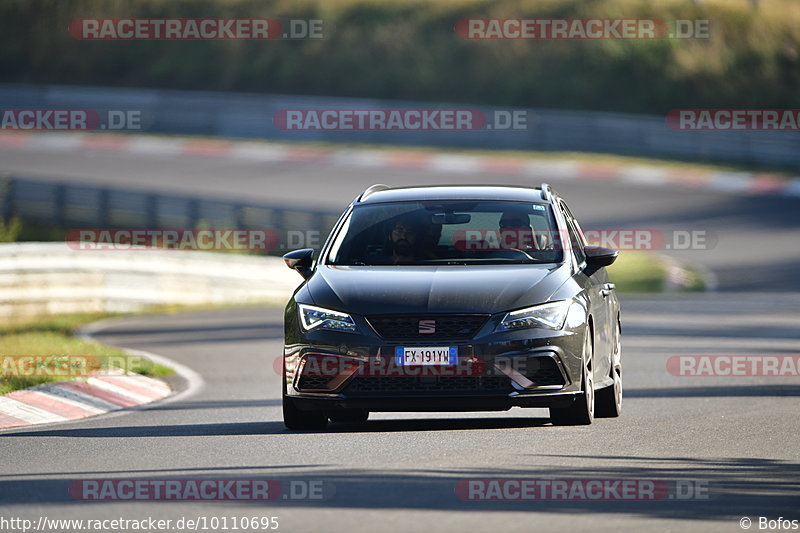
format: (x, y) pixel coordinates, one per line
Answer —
(576, 239)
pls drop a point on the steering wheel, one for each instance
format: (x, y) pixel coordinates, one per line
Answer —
(515, 252)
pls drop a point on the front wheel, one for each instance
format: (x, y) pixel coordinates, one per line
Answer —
(294, 418)
(581, 412)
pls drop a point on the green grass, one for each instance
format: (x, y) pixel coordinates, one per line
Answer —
(10, 230)
(690, 279)
(54, 336)
(645, 272)
(64, 324)
(638, 272)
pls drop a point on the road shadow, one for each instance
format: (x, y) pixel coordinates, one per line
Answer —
(277, 428)
(732, 487)
(733, 331)
(215, 404)
(160, 335)
(730, 391)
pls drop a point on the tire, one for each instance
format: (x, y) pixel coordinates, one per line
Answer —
(581, 412)
(349, 416)
(294, 418)
(609, 399)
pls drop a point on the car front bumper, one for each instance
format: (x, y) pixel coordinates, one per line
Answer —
(524, 368)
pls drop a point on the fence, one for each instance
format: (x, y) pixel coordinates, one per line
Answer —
(68, 206)
(251, 116)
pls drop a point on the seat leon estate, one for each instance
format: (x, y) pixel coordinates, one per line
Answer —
(452, 298)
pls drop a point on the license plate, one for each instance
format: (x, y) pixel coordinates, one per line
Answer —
(426, 355)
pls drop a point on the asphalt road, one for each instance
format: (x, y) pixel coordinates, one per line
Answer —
(734, 437)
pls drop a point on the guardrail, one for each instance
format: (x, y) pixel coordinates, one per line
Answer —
(49, 278)
(69, 206)
(251, 116)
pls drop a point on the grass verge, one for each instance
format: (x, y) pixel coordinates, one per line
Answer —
(647, 272)
(54, 336)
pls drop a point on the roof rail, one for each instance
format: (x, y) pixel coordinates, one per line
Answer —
(372, 189)
(546, 191)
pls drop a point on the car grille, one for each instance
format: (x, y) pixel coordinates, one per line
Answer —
(401, 327)
(485, 384)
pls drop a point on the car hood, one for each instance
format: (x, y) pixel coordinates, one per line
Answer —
(441, 289)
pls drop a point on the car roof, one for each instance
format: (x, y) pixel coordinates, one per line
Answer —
(383, 194)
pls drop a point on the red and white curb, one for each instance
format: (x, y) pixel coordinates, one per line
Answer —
(64, 401)
(543, 169)
(96, 394)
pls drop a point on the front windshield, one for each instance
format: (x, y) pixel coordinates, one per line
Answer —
(447, 232)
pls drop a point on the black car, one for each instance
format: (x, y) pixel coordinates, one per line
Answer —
(452, 298)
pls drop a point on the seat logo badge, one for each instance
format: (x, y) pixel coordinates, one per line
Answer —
(427, 327)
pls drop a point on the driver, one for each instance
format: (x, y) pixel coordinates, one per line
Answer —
(516, 231)
(405, 239)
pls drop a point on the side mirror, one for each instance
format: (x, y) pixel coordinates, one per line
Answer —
(598, 257)
(300, 260)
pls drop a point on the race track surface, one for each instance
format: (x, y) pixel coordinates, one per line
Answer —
(735, 437)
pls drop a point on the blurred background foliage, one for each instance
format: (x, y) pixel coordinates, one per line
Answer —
(407, 49)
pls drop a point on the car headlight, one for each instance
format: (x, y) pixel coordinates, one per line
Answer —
(312, 317)
(549, 316)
